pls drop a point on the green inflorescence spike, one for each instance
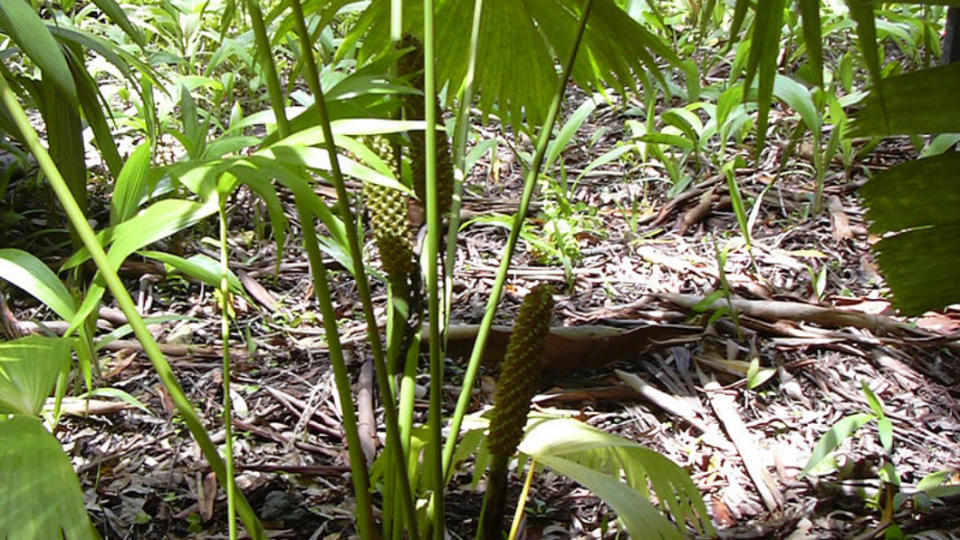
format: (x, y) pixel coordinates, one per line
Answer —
(520, 371)
(411, 64)
(388, 217)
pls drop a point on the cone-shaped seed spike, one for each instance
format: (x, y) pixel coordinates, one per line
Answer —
(411, 64)
(520, 371)
(388, 218)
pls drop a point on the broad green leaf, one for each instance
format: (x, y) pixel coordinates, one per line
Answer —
(19, 21)
(154, 223)
(914, 201)
(30, 274)
(831, 440)
(940, 144)
(885, 431)
(198, 266)
(520, 43)
(934, 479)
(598, 459)
(638, 516)
(41, 496)
(119, 17)
(911, 104)
(798, 98)
(685, 120)
(607, 157)
(566, 133)
(29, 368)
(131, 185)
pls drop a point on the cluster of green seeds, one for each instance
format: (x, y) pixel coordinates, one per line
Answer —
(388, 217)
(520, 371)
(411, 65)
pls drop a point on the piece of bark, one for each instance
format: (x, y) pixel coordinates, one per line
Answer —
(772, 310)
(366, 421)
(572, 349)
(694, 215)
(839, 219)
(661, 399)
(88, 407)
(257, 291)
(725, 406)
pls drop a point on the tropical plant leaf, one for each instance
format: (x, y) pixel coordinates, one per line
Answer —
(861, 11)
(199, 267)
(19, 21)
(762, 60)
(831, 440)
(914, 201)
(798, 98)
(41, 495)
(119, 17)
(29, 367)
(30, 274)
(598, 459)
(912, 103)
(131, 185)
(517, 45)
(812, 38)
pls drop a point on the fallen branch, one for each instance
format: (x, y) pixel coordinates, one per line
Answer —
(773, 310)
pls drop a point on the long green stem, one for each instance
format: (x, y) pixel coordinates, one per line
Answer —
(459, 161)
(484, 331)
(361, 486)
(435, 417)
(225, 303)
(359, 272)
(126, 304)
(269, 69)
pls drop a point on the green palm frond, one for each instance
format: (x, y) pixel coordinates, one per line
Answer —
(519, 41)
(41, 496)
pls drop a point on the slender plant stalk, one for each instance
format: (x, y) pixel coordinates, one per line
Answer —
(126, 304)
(522, 502)
(363, 286)
(361, 485)
(269, 70)
(225, 302)
(494, 500)
(484, 331)
(459, 161)
(435, 418)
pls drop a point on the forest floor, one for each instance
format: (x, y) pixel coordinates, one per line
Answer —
(810, 306)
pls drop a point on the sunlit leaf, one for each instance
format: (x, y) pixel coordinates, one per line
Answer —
(19, 21)
(30, 274)
(199, 267)
(41, 495)
(131, 185)
(29, 367)
(831, 440)
(598, 459)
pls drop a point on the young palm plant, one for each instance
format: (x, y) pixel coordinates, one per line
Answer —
(612, 50)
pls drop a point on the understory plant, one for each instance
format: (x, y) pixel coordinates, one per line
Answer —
(353, 97)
